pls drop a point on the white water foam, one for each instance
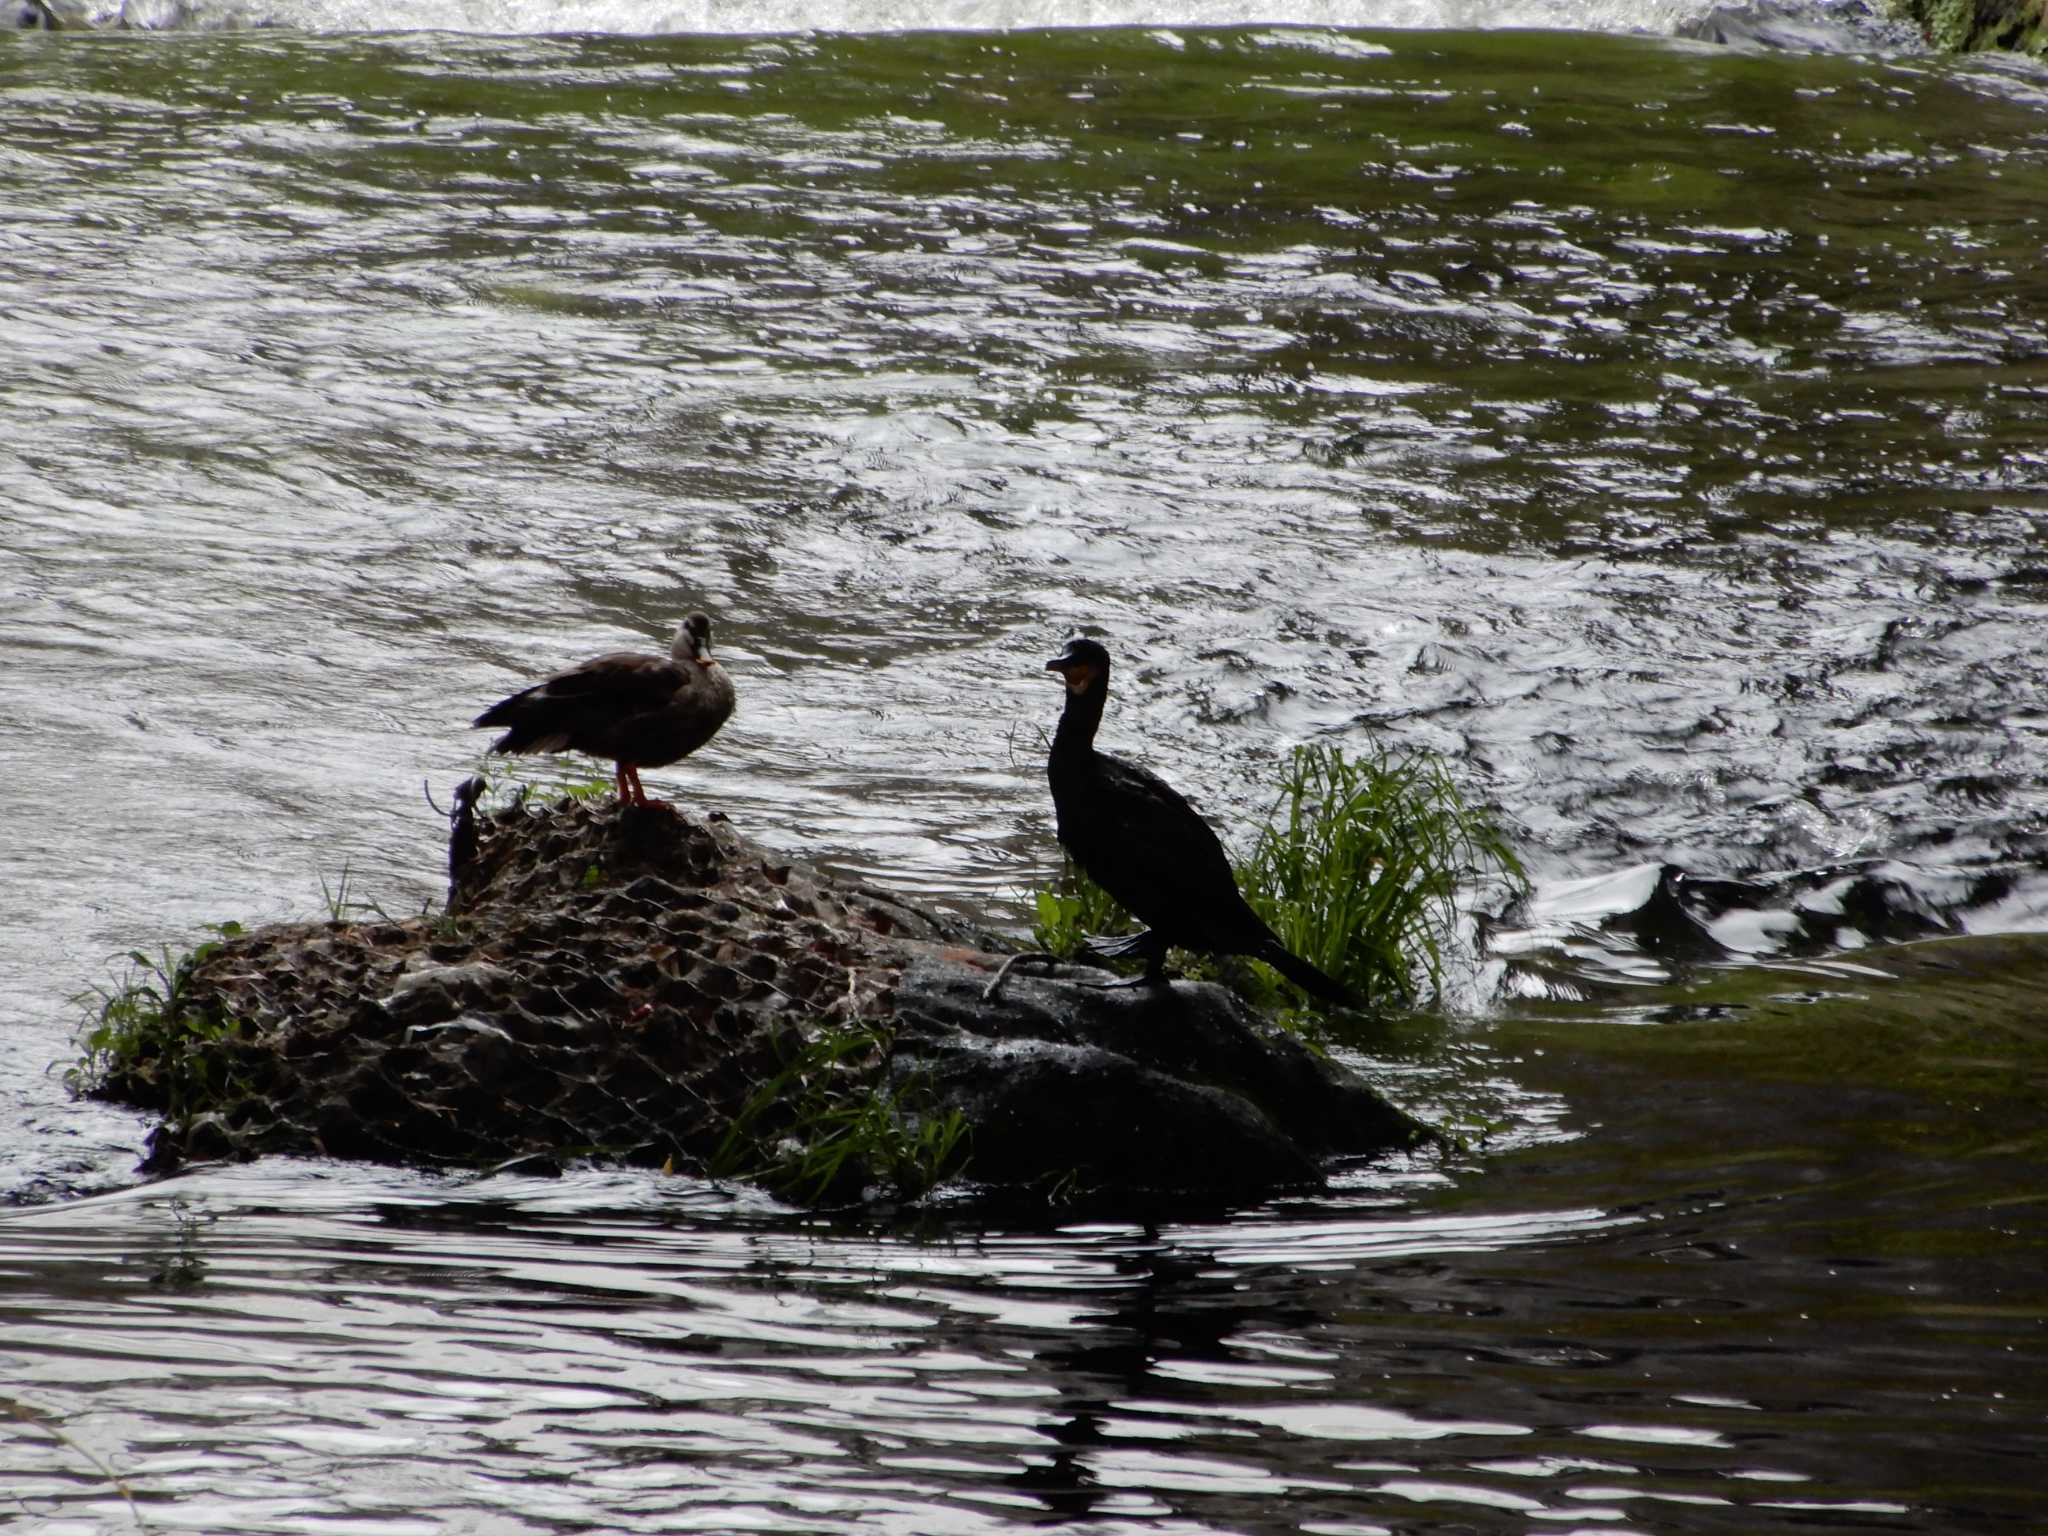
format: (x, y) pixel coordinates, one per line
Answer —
(517, 17)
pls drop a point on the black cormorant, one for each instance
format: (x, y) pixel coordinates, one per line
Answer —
(640, 711)
(1143, 843)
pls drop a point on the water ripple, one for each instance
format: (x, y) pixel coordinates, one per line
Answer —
(1651, 430)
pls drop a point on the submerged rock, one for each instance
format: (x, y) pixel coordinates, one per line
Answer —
(640, 986)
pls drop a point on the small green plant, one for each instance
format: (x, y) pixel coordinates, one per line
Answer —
(824, 1126)
(146, 1033)
(344, 903)
(540, 778)
(341, 899)
(1361, 861)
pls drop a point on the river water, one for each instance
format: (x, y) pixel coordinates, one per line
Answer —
(1655, 430)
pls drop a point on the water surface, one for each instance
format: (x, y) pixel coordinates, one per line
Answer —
(1653, 430)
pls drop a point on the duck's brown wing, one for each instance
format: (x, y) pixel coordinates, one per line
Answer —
(578, 709)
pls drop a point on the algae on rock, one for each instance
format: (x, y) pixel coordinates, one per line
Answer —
(1965, 26)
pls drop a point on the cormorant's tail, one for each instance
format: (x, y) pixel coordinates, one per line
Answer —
(1307, 977)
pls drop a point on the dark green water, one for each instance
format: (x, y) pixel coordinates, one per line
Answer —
(1653, 430)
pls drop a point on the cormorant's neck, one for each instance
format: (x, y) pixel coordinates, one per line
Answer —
(1083, 713)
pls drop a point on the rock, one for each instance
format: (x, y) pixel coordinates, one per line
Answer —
(1960, 26)
(1158, 1089)
(640, 986)
(427, 992)
(1828, 26)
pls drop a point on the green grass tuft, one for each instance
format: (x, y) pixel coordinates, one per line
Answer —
(342, 899)
(1361, 862)
(540, 777)
(826, 1127)
(145, 1037)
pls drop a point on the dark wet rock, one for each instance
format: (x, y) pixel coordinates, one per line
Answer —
(1689, 917)
(1681, 923)
(640, 986)
(1160, 1088)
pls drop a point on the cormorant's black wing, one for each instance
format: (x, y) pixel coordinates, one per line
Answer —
(1152, 850)
(1155, 854)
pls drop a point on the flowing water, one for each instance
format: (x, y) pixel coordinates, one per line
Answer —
(1655, 430)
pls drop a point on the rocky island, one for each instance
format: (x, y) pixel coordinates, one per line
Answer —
(637, 985)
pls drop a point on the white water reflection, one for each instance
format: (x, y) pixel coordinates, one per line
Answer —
(1342, 1421)
(783, 16)
(693, 1357)
(1307, 1244)
(264, 1342)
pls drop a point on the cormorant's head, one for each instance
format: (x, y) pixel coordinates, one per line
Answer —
(1081, 664)
(693, 641)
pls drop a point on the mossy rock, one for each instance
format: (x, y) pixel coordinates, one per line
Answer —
(1961, 26)
(644, 987)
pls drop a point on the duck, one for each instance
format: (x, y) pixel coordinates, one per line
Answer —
(1138, 838)
(633, 709)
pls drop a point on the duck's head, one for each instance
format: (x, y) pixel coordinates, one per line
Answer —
(693, 641)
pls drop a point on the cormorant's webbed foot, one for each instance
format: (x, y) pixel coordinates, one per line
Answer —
(1156, 976)
(1126, 946)
(1143, 945)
